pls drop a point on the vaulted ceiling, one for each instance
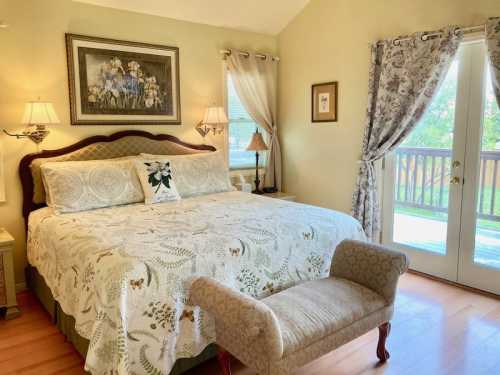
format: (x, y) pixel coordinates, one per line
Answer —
(262, 16)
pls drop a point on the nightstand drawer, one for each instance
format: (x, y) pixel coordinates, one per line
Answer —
(7, 282)
(3, 289)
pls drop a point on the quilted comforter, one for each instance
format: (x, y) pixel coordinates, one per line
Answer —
(124, 272)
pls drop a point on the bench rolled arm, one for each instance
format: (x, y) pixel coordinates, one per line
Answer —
(373, 266)
(237, 311)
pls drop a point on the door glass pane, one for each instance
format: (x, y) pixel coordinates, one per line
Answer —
(487, 249)
(423, 163)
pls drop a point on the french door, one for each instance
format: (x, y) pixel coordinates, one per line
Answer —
(441, 195)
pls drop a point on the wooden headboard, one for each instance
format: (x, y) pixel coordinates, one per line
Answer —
(124, 143)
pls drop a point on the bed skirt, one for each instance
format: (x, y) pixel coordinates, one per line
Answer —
(66, 323)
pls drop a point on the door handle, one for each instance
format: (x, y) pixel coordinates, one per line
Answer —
(455, 164)
(455, 180)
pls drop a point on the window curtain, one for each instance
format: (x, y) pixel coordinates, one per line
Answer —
(493, 47)
(254, 79)
(403, 77)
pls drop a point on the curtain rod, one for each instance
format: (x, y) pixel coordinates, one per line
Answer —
(426, 36)
(227, 52)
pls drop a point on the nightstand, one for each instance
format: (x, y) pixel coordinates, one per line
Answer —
(281, 195)
(7, 283)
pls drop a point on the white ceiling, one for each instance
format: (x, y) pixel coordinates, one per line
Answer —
(262, 16)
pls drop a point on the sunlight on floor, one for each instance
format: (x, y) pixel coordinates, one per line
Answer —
(430, 235)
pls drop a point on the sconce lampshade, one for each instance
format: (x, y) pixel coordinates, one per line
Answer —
(215, 116)
(257, 143)
(214, 119)
(39, 113)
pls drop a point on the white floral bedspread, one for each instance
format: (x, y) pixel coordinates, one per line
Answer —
(124, 272)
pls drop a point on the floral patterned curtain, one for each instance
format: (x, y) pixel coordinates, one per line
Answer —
(493, 46)
(404, 76)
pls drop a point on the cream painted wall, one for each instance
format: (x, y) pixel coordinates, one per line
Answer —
(33, 63)
(329, 41)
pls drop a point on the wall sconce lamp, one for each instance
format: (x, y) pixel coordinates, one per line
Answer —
(214, 120)
(37, 115)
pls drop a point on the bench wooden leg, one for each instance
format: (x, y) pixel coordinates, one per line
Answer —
(383, 330)
(224, 359)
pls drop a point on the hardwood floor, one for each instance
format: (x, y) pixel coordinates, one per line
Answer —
(437, 329)
(31, 344)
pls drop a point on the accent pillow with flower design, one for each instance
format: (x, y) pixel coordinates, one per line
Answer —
(156, 181)
(198, 174)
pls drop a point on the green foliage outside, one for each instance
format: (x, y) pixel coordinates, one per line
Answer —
(436, 128)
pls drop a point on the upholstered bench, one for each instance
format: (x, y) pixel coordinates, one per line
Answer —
(288, 329)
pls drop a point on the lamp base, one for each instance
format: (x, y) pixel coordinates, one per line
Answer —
(203, 130)
(38, 134)
(268, 190)
(257, 180)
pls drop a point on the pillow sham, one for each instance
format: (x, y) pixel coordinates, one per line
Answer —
(46, 197)
(198, 174)
(73, 186)
(156, 180)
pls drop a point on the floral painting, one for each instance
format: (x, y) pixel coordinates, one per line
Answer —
(118, 82)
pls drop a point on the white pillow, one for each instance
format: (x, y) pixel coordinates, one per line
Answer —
(198, 174)
(46, 196)
(73, 186)
(156, 180)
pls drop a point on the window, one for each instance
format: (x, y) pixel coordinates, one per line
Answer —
(240, 130)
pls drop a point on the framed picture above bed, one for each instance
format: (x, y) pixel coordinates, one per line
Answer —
(324, 100)
(114, 82)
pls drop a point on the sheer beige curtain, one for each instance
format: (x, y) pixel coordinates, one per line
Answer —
(254, 79)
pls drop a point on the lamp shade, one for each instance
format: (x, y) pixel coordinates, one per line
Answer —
(257, 143)
(39, 113)
(215, 116)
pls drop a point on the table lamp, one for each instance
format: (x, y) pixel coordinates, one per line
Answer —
(257, 144)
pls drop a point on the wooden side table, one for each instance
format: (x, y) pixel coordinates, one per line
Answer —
(7, 283)
(281, 195)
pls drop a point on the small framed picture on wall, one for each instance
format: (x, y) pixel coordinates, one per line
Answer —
(324, 102)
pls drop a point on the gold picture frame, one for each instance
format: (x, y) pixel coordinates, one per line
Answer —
(115, 82)
(324, 102)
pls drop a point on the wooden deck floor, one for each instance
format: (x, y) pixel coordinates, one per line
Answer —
(437, 329)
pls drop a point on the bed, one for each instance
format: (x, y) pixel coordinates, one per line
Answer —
(116, 279)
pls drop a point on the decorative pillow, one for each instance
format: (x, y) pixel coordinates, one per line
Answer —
(84, 185)
(46, 193)
(198, 174)
(156, 180)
